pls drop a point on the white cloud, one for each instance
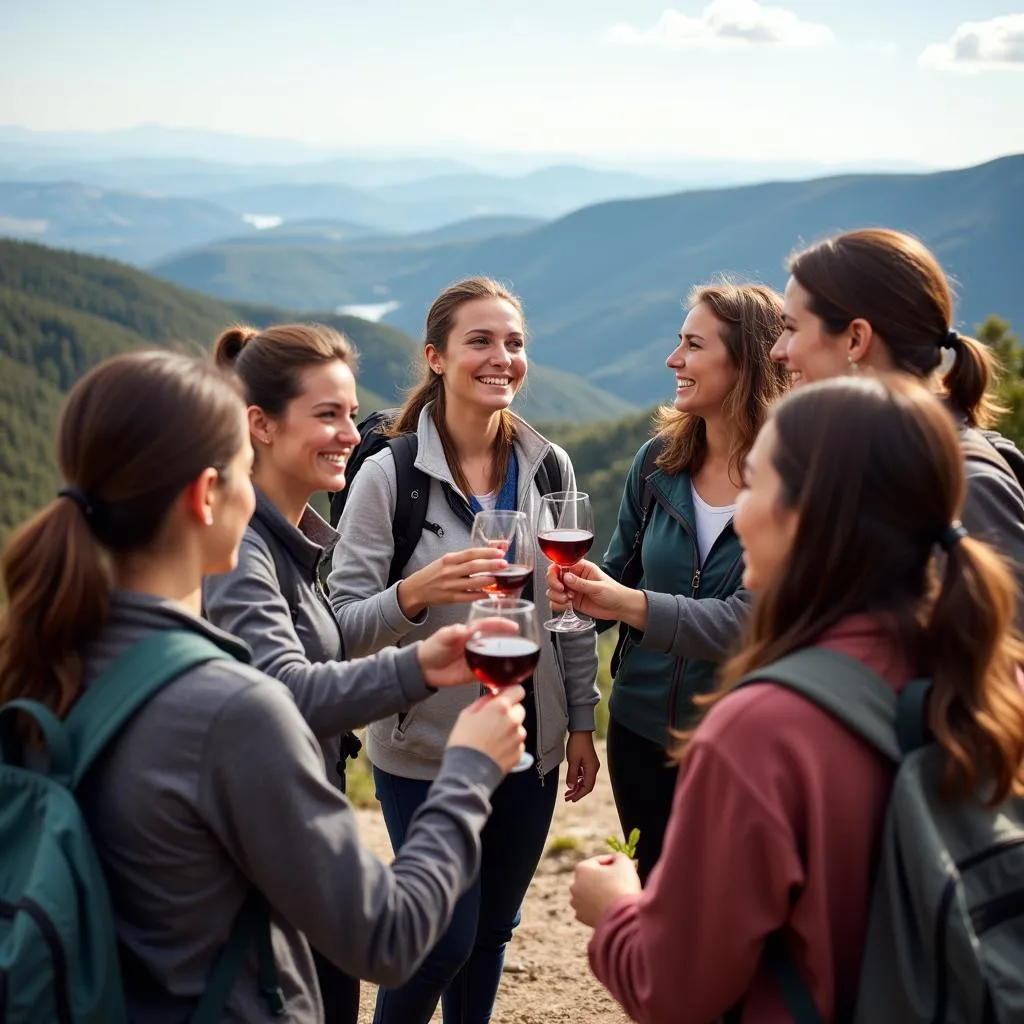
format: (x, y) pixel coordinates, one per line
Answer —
(980, 46)
(725, 24)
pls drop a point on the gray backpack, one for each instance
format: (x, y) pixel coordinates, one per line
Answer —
(945, 940)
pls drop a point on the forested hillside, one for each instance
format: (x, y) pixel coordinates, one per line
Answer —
(62, 312)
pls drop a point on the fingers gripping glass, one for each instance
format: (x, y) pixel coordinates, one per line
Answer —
(565, 533)
(509, 533)
(499, 658)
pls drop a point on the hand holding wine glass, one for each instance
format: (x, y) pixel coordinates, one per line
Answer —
(497, 659)
(509, 532)
(565, 533)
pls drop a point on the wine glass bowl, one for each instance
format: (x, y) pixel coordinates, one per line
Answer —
(565, 533)
(508, 532)
(499, 656)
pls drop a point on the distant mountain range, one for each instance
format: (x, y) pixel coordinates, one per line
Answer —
(62, 312)
(603, 286)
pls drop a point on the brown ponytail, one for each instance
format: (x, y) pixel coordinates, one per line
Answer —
(873, 467)
(133, 433)
(270, 362)
(440, 321)
(893, 281)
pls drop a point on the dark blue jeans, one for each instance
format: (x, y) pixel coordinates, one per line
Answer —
(464, 968)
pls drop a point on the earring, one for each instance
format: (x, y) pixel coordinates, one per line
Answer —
(854, 367)
(265, 440)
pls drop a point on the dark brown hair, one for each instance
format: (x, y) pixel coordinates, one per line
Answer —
(270, 362)
(440, 322)
(873, 467)
(133, 433)
(750, 316)
(892, 281)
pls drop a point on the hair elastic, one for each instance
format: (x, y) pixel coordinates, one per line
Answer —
(952, 534)
(80, 498)
(951, 340)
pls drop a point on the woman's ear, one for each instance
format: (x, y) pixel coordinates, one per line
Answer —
(861, 339)
(434, 360)
(200, 496)
(260, 425)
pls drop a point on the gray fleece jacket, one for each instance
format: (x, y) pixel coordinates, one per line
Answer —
(711, 628)
(305, 653)
(371, 619)
(215, 786)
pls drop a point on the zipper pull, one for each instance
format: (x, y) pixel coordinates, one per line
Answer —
(695, 582)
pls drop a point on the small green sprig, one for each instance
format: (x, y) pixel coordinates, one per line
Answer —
(628, 847)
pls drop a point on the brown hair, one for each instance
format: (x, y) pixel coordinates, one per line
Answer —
(750, 316)
(440, 322)
(873, 467)
(133, 433)
(892, 280)
(270, 361)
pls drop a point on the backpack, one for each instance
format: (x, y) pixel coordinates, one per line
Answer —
(945, 939)
(633, 568)
(990, 446)
(412, 486)
(59, 955)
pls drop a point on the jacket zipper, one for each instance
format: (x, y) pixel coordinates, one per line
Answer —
(695, 581)
(57, 958)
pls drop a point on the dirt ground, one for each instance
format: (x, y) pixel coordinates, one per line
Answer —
(547, 977)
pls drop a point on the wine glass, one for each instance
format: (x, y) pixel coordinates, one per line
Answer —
(510, 533)
(497, 657)
(565, 532)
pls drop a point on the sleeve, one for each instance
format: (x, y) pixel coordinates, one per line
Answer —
(295, 837)
(728, 866)
(708, 628)
(333, 696)
(367, 609)
(994, 512)
(577, 654)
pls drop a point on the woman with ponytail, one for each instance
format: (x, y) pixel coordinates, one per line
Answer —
(849, 521)
(877, 299)
(476, 453)
(215, 787)
(300, 387)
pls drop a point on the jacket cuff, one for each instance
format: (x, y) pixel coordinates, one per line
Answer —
(471, 765)
(394, 618)
(582, 718)
(662, 619)
(410, 676)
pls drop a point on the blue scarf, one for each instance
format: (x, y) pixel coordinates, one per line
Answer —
(509, 492)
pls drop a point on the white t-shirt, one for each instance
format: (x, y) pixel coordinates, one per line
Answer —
(487, 501)
(711, 521)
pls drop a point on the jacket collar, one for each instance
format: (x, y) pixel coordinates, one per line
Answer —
(309, 544)
(531, 447)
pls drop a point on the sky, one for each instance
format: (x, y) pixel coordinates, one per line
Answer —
(936, 82)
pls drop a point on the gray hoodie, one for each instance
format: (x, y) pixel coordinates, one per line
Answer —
(371, 618)
(215, 786)
(249, 602)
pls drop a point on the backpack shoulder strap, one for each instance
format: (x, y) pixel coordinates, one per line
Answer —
(633, 568)
(549, 474)
(846, 689)
(289, 592)
(976, 445)
(126, 685)
(412, 492)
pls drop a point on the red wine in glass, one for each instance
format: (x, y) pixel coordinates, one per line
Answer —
(499, 661)
(510, 582)
(565, 547)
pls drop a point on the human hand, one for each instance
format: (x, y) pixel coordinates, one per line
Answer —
(442, 656)
(494, 726)
(599, 881)
(582, 766)
(456, 577)
(593, 592)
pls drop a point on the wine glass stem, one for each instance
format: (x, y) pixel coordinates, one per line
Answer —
(569, 615)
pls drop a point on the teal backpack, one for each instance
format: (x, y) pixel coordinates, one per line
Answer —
(59, 958)
(945, 940)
